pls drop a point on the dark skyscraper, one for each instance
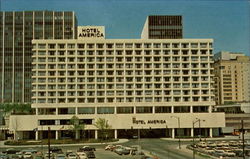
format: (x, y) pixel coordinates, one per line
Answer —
(163, 27)
(17, 29)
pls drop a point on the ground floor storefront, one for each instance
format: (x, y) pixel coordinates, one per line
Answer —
(173, 125)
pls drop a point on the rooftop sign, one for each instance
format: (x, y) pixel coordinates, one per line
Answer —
(94, 32)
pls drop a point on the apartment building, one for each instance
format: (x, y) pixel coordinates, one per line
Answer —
(232, 77)
(135, 84)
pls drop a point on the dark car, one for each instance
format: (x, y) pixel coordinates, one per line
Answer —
(55, 149)
(90, 154)
(87, 148)
(11, 151)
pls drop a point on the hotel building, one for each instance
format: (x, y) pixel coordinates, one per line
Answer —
(135, 84)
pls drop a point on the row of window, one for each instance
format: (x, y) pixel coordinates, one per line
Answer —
(123, 65)
(121, 93)
(92, 53)
(164, 79)
(122, 45)
(122, 99)
(122, 60)
(122, 110)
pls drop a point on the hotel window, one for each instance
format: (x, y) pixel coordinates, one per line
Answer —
(200, 109)
(66, 111)
(182, 109)
(163, 109)
(144, 109)
(61, 46)
(125, 110)
(80, 46)
(105, 110)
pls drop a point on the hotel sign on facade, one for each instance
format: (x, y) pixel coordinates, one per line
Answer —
(93, 32)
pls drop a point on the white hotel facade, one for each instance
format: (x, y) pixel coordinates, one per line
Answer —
(144, 84)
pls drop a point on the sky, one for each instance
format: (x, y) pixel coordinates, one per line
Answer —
(225, 21)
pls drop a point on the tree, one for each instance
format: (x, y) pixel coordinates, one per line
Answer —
(16, 108)
(76, 126)
(103, 126)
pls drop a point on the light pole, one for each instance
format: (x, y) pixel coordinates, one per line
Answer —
(197, 120)
(179, 127)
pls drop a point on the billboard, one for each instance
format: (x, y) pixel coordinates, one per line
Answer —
(94, 32)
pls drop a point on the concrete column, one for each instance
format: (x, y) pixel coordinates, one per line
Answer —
(192, 132)
(153, 110)
(115, 133)
(76, 110)
(210, 132)
(36, 111)
(56, 111)
(191, 109)
(210, 109)
(37, 135)
(172, 109)
(173, 133)
(96, 134)
(57, 134)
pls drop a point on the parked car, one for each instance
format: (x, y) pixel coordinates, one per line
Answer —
(122, 151)
(27, 155)
(229, 153)
(55, 149)
(87, 148)
(110, 147)
(211, 144)
(11, 151)
(72, 156)
(60, 156)
(90, 154)
(82, 155)
(202, 144)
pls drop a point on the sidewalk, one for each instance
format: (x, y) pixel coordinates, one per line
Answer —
(247, 137)
(61, 145)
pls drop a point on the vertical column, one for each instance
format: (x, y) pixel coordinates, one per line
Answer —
(73, 17)
(43, 24)
(115, 133)
(153, 109)
(56, 111)
(13, 60)
(36, 111)
(191, 109)
(192, 132)
(2, 98)
(172, 109)
(23, 57)
(53, 34)
(96, 134)
(57, 134)
(210, 109)
(63, 25)
(76, 110)
(210, 132)
(36, 135)
(173, 133)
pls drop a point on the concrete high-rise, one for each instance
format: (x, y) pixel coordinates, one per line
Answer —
(232, 77)
(163, 27)
(17, 29)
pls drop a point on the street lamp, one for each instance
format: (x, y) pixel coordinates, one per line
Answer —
(179, 127)
(197, 120)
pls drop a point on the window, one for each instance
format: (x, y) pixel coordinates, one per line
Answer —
(86, 110)
(181, 109)
(125, 110)
(66, 110)
(144, 109)
(163, 109)
(105, 110)
(200, 109)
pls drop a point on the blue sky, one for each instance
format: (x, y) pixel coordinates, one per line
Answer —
(226, 21)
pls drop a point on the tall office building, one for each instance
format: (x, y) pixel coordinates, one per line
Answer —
(17, 29)
(163, 27)
(135, 84)
(232, 77)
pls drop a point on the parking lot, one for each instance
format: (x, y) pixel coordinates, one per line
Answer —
(86, 152)
(226, 149)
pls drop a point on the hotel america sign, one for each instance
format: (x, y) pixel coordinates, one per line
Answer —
(94, 32)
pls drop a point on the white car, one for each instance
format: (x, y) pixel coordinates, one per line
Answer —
(72, 156)
(82, 155)
(27, 155)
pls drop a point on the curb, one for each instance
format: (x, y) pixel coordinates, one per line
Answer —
(64, 145)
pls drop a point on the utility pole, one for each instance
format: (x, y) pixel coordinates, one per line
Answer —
(49, 141)
(179, 128)
(243, 140)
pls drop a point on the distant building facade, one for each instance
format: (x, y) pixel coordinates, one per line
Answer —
(163, 27)
(232, 77)
(17, 29)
